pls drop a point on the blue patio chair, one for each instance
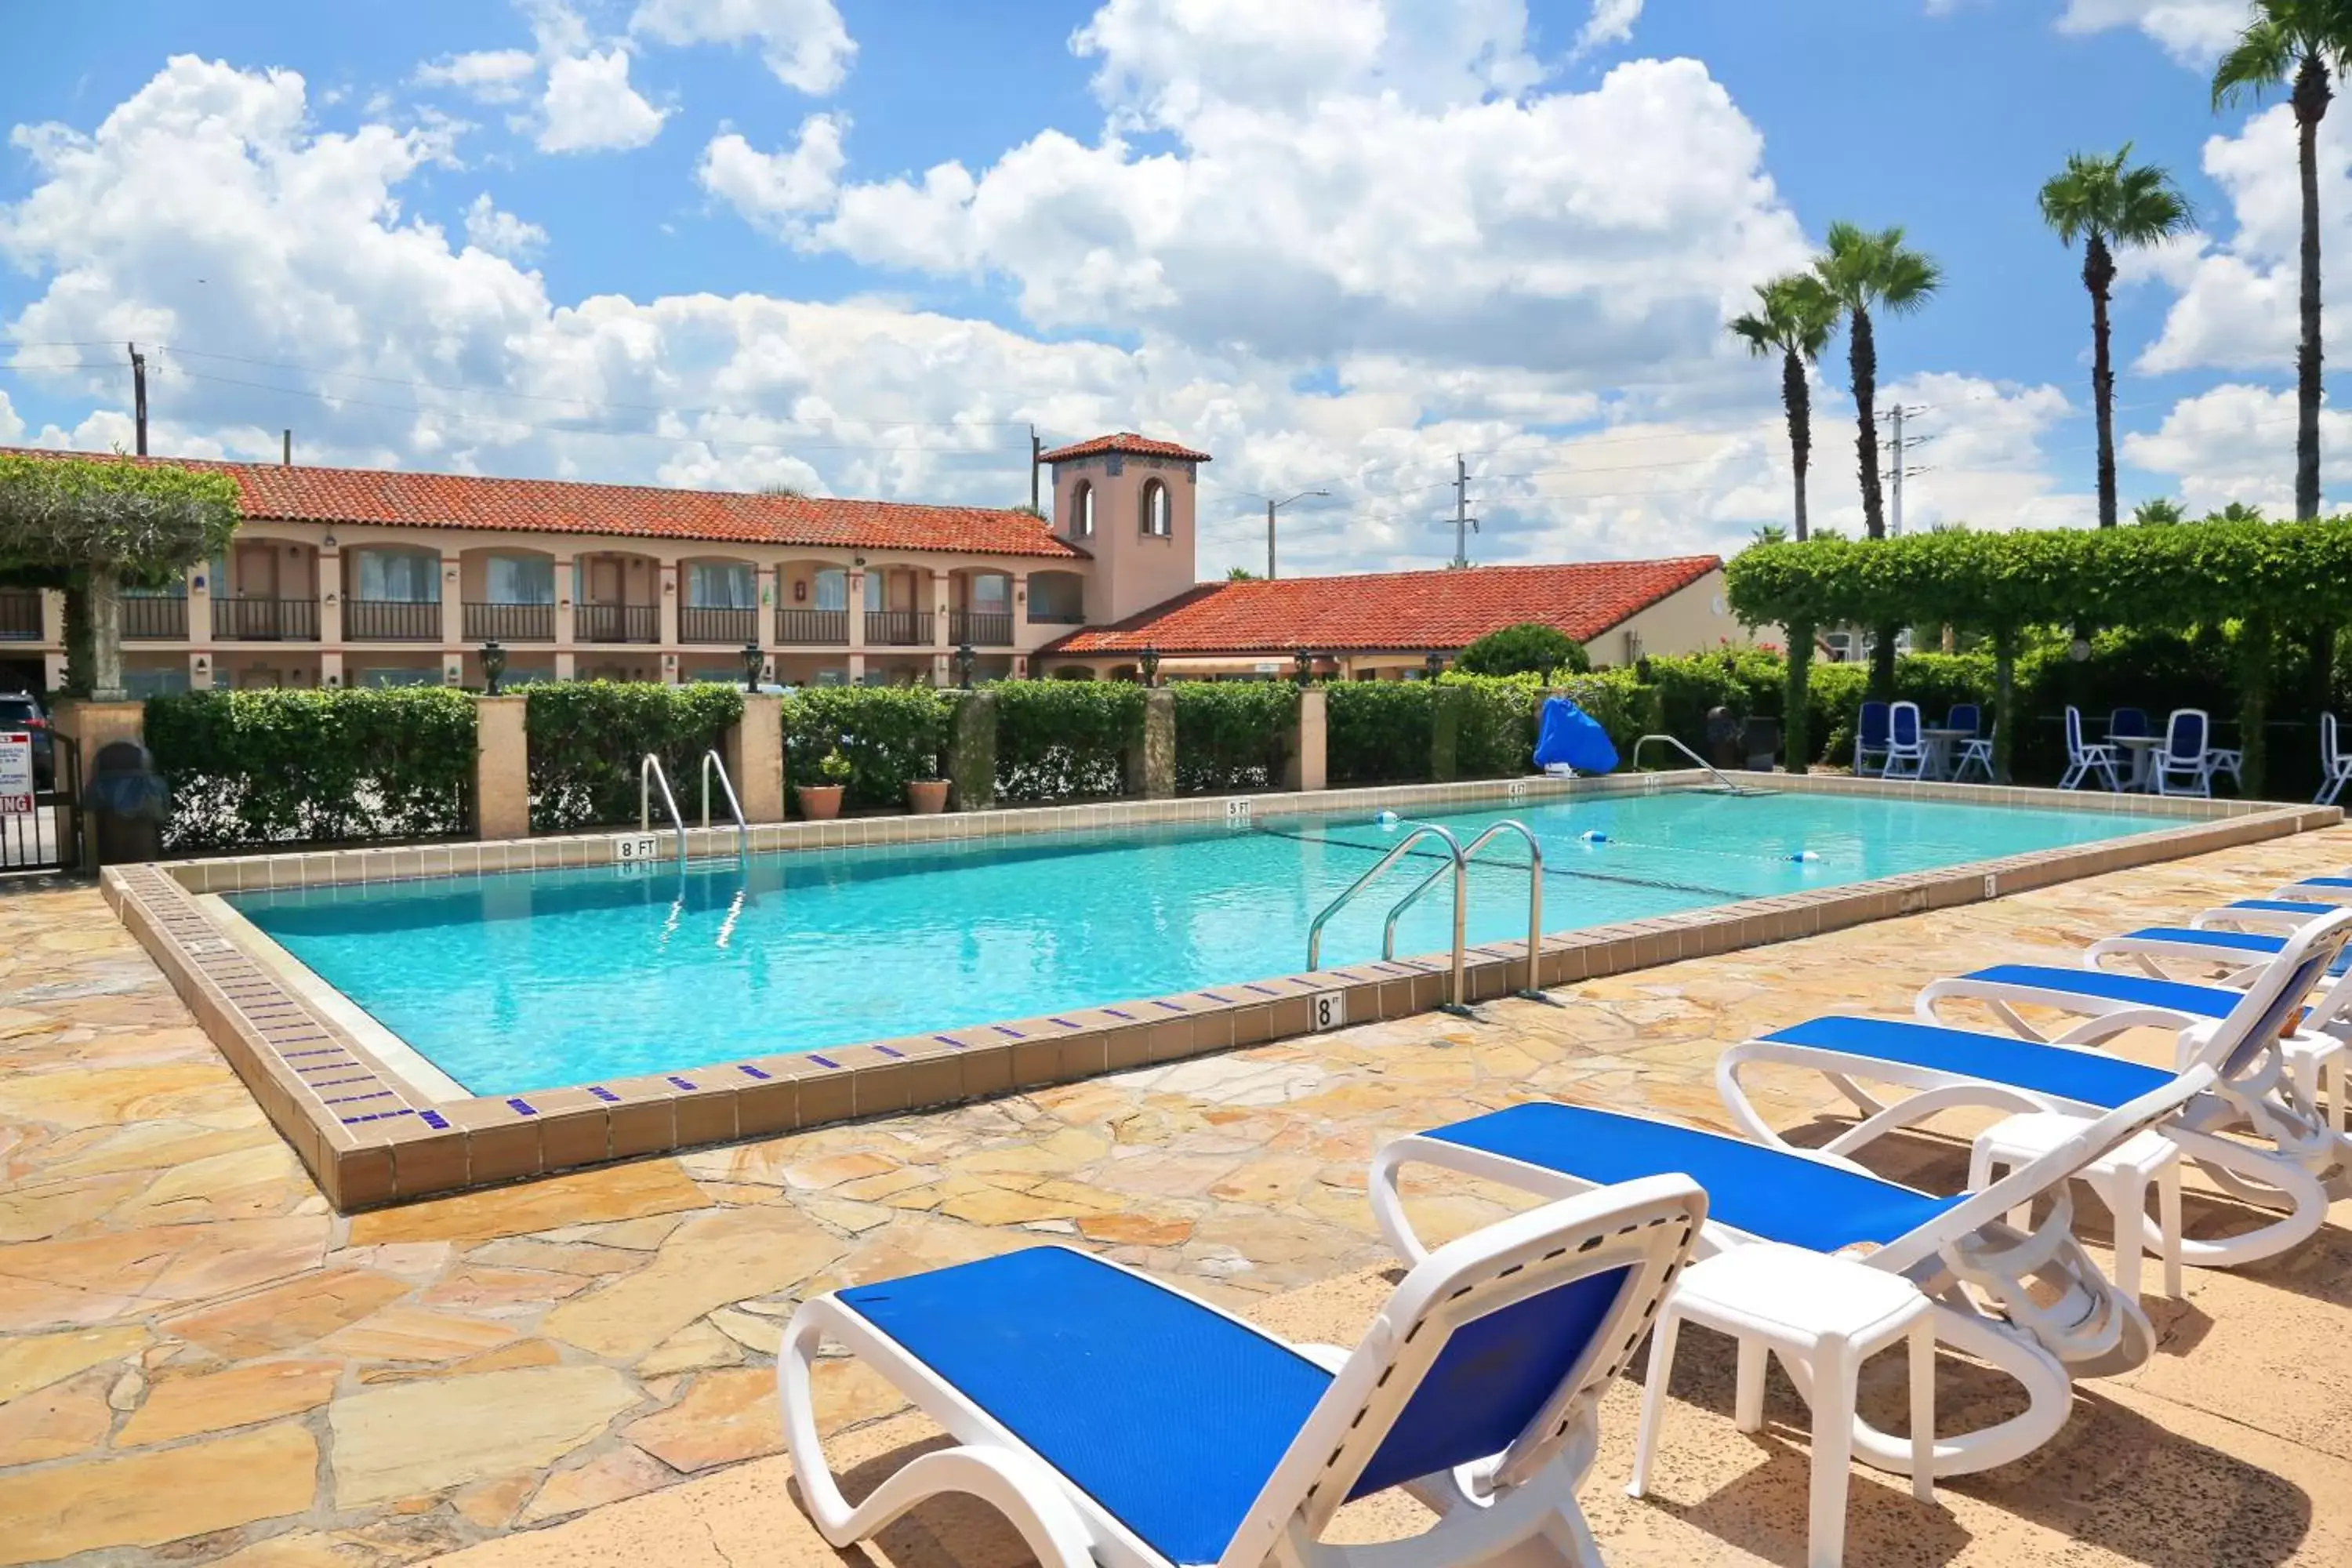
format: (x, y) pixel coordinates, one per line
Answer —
(2085, 761)
(2185, 766)
(1870, 739)
(1116, 1421)
(1976, 756)
(1907, 749)
(2126, 721)
(1966, 716)
(2334, 763)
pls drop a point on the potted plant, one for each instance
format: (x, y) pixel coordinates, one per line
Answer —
(822, 802)
(928, 796)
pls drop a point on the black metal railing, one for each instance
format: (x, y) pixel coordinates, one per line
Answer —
(617, 623)
(699, 624)
(830, 627)
(391, 620)
(899, 628)
(265, 620)
(147, 618)
(982, 628)
(20, 615)
(1057, 616)
(510, 623)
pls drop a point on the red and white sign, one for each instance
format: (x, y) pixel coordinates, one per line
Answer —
(16, 772)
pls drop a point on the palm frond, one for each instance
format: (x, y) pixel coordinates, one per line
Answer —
(2263, 57)
(2107, 197)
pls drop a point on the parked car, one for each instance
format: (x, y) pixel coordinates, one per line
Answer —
(23, 710)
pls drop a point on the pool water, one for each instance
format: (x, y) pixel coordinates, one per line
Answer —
(535, 980)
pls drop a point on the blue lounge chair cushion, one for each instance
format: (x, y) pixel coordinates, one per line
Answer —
(2133, 990)
(1169, 1414)
(2286, 907)
(2086, 1078)
(1769, 1192)
(1172, 1415)
(2324, 881)
(2232, 941)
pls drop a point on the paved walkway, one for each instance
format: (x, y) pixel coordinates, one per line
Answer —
(200, 1364)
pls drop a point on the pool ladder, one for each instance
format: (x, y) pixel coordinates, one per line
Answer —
(650, 773)
(1720, 776)
(1457, 859)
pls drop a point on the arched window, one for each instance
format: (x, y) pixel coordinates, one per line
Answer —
(1155, 510)
(1082, 511)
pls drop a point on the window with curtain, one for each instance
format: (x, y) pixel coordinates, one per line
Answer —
(721, 585)
(521, 580)
(991, 594)
(876, 590)
(398, 576)
(832, 589)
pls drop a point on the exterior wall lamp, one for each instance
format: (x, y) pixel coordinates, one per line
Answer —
(753, 659)
(494, 665)
(1148, 660)
(964, 658)
(1305, 659)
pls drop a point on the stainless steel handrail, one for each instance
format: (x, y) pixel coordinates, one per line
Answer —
(1535, 900)
(650, 773)
(743, 832)
(1720, 776)
(1461, 886)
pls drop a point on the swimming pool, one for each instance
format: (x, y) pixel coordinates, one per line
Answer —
(524, 981)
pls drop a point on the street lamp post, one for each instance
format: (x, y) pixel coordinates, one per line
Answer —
(1272, 507)
(494, 665)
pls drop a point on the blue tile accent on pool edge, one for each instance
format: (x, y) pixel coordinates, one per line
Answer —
(891, 1051)
(607, 1095)
(681, 1082)
(521, 1107)
(749, 1071)
(434, 1119)
(824, 1061)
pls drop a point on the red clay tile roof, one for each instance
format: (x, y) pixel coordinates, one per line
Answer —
(1394, 610)
(274, 493)
(1125, 441)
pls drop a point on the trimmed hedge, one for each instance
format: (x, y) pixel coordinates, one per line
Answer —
(588, 738)
(313, 767)
(1063, 740)
(1379, 731)
(892, 735)
(1496, 736)
(1624, 705)
(1232, 735)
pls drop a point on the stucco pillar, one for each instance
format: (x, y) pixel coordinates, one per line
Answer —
(501, 768)
(1303, 760)
(453, 604)
(200, 606)
(565, 612)
(857, 593)
(753, 752)
(567, 666)
(1151, 750)
(768, 595)
(200, 673)
(668, 600)
(942, 600)
(331, 668)
(330, 600)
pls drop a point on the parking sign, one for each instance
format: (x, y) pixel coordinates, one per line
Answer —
(16, 772)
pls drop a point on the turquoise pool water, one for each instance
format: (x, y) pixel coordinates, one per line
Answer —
(535, 980)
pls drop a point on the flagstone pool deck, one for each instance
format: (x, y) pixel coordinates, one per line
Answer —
(201, 1363)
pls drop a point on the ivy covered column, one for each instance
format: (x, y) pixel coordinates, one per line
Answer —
(2257, 643)
(1795, 700)
(971, 752)
(2005, 716)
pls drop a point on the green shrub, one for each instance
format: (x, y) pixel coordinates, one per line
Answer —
(1232, 735)
(322, 766)
(1497, 737)
(1529, 648)
(892, 735)
(1379, 731)
(1624, 705)
(587, 740)
(1063, 739)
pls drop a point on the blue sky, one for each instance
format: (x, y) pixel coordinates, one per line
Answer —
(859, 247)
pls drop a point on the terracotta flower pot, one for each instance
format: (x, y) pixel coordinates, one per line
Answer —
(928, 797)
(820, 803)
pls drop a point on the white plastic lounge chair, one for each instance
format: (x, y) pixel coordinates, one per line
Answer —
(1119, 1423)
(1907, 749)
(2263, 914)
(2184, 766)
(2288, 1158)
(2084, 761)
(1962, 1251)
(2334, 763)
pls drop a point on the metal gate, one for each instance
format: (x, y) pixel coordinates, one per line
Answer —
(46, 837)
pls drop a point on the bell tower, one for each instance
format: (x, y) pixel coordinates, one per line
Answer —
(1130, 502)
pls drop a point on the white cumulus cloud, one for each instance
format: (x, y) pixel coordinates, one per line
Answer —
(493, 76)
(501, 233)
(2193, 32)
(775, 189)
(590, 106)
(802, 42)
(1612, 22)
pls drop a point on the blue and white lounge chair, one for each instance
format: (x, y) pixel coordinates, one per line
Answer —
(2288, 1159)
(1870, 740)
(1906, 748)
(2334, 763)
(2184, 766)
(2084, 761)
(1962, 1251)
(1119, 1423)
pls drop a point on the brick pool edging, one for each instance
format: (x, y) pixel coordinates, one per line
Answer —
(371, 1137)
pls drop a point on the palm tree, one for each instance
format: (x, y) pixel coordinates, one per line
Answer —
(1794, 315)
(2102, 202)
(2161, 512)
(1865, 272)
(1769, 533)
(2300, 41)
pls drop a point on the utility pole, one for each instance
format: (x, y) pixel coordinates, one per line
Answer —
(1896, 521)
(139, 394)
(1273, 506)
(1897, 472)
(1036, 450)
(1464, 523)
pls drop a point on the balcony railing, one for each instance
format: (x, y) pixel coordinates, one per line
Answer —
(20, 616)
(982, 628)
(696, 624)
(827, 626)
(1056, 614)
(899, 628)
(147, 617)
(509, 623)
(617, 623)
(391, 620)
(265, 620)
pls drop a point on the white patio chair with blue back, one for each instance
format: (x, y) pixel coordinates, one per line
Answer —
(1870, 740)
(1976, 756)
(2185, 766)
(1906, 748)
(2084, 760)
(2334, 763)
(1119, 1423)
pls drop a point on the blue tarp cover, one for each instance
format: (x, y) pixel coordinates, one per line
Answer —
(1568, 734)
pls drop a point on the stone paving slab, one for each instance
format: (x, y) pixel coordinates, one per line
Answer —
(201, 1363)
